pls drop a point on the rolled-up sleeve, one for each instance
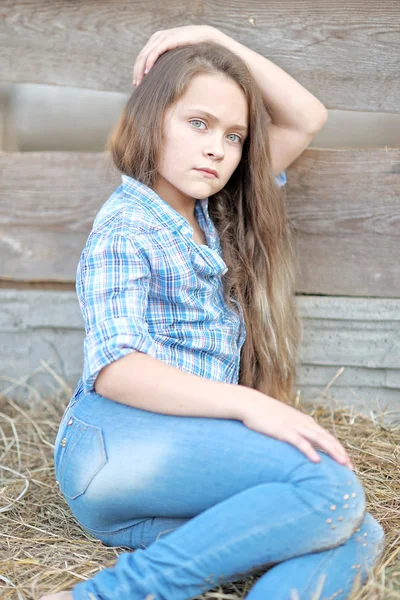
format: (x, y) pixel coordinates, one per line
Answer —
(113, 279)
(281, 179)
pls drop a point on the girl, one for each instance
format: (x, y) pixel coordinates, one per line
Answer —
(180, 442)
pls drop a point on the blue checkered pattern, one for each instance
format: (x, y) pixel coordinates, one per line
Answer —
(144, 285)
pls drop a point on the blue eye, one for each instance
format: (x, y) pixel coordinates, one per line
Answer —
(202, 122)
(238, 136)
(196, 121)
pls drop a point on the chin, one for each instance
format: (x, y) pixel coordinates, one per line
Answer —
(196, 191)
(206, 189)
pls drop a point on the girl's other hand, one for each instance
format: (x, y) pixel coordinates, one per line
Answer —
(280, 421)
(164, 40)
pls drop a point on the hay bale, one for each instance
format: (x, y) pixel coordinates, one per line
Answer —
(44, 550)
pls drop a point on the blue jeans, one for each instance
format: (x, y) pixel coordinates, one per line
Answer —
(205, 501)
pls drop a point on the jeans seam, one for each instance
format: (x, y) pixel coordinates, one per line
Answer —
(108, 532)
(334, 484)
(191, 561)
(326, 563)
(116, 531)
(329, 558)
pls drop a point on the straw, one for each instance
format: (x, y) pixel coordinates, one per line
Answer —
(43, 549)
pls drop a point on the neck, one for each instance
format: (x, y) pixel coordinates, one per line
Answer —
(183, 204)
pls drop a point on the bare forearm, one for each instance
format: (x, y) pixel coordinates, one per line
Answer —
(147, 383)
(291, 105)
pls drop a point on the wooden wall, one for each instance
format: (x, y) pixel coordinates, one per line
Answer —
(343, 203)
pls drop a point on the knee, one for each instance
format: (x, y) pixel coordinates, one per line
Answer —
(347, 510)
(371, 535)
(339, 498)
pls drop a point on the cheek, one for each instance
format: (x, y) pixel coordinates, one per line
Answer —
(177, 150)
(233, 165)
(235, 160)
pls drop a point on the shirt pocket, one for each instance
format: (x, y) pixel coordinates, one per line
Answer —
(81, 458)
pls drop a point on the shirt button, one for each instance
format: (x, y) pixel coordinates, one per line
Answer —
(63, 442)
(185, 230)
(70, 422)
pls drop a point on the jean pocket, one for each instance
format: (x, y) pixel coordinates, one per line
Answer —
(83, 455)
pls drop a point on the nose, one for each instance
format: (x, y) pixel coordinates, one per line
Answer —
(215, 148)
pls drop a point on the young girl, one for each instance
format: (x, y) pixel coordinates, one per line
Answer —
(180, 442)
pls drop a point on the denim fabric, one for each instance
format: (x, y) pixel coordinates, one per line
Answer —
(204, 501)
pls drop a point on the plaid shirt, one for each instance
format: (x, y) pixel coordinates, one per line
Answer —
(144, 284)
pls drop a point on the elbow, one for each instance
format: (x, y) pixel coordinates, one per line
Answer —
(319, 121)
(97, 385)
(102, 381)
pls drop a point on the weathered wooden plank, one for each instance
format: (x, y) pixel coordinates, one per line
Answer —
(369, 401)
(8, 133)
(48, 325)
(348, 309)
(21, 353)
(318, 375)
(344, 206)
(31, 309)
(335, 324)
(368, 348)
(46, 216)
(94, 45)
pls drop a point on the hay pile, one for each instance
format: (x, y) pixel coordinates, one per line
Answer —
(43, 550)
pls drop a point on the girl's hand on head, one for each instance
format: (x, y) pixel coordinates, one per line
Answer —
(283, 422)
(164, 40)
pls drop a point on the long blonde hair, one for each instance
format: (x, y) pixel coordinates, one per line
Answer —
(249, 213)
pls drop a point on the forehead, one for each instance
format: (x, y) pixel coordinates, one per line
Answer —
(217, 94)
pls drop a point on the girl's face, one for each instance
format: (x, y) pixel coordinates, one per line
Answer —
(193, 139)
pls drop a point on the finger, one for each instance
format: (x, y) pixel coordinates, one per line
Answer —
(144, 52)
(161, 45)
(137, 61)
(332, 446)
(155, 49)
(297, 440)
(329, 443)
(151, 59)
(140, 59)
(328, 436)
(335, 444)
(325, 439)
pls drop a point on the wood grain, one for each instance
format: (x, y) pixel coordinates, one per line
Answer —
(339, 332)
(344, 206)
(346, 54)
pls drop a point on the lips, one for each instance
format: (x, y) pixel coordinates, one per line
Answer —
(210, 171)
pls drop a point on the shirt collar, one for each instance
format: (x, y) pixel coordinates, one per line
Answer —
(161, 210)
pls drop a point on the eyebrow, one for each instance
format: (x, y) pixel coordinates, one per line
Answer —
(213, 117)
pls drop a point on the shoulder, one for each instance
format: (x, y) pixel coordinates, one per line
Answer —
(118, 217)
